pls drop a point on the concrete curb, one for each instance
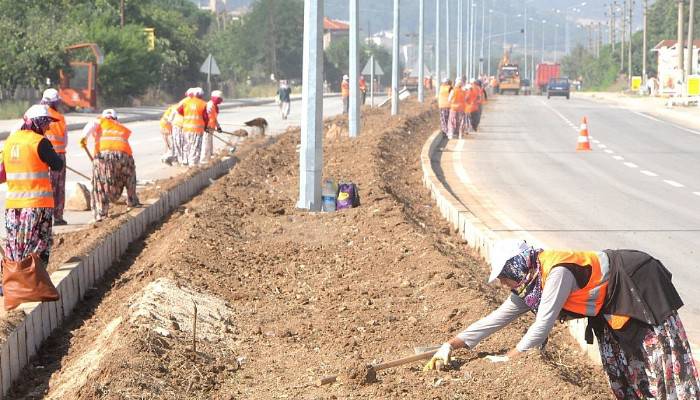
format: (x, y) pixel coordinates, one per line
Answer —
(474, 231)
(75, 278)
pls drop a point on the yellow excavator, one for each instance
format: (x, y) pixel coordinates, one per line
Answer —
(508, 75)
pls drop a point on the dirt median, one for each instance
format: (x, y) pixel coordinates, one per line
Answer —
(302, 295)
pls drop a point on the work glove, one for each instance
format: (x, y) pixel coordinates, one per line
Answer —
(497, 358)
(83, 143)
(442, 355)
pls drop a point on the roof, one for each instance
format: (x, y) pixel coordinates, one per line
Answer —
(671, 43)
(334, 25)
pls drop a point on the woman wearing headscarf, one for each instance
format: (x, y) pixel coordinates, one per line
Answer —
(28, 157)
(58, 136)
(457, 100)
(444, 103)
(628, 298)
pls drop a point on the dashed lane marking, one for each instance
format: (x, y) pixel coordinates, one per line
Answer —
(674, 183)
(648, 173)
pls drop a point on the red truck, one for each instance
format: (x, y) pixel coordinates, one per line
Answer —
(544, 73)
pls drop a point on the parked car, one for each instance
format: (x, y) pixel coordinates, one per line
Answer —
(558, 87)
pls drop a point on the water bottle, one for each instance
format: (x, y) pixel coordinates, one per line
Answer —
(328, 193)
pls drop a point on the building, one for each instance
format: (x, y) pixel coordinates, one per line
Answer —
(215, 6)
(667, 57)
(334, 30)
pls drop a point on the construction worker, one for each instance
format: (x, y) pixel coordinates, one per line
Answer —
(178, 139)
(166, 130)
(58, 136)
(628, 298)
(284, 93)
(444, 103)
(194, 113)
(479, 96)
(212, 125)
(471, 106)
(345, 93)
(113, 166)
(363, 89)
(457, 100)
(29, 157)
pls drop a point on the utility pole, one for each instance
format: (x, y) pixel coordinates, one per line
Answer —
(644, 42)
(681, 46)
(629, 48)
(468, 53)
(689, 59)
(473, 39)
(622, 42)
(121, 13)
(543, 22)
(483, 30)
(311, 150)
(613, 34)
(448, 67)
(600, 39)
(488, 61)
(421, 46)
(354, 112)
(395, 63)
(438, 81)
(525, 37)
(460, 37)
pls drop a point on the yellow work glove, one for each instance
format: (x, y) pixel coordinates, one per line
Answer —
(83, 143)
(442, 355)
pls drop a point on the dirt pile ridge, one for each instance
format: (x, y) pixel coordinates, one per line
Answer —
(310, 294)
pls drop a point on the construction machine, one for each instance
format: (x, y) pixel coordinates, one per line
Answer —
(508, 75)
(78, 87)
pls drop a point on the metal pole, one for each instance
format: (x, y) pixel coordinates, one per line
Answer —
(371, 81)
(395, 63)
(438, 81)
(483, 27)
(421, 45)
(505, 31)
(354, 112)
(680, 38)
(311, 150)
(556, 34)
(691, 51)
(525, 37)
(543, 22)
(567, 45)
(622, 42)
(472, 41)
(629, 48)
(613, 33)
(448, 56)
(460, 37)
(644, 42)
(488, 62)
(468, 52)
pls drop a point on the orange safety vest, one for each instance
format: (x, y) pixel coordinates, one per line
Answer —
(28, 182)
(345, 89)
(193, 119)
(589, 299)
(113, 136)
(444, 96)
(57, 131)
(363, 85)
(213, 114)
(471, 104)
(458, 100)
(165, 123)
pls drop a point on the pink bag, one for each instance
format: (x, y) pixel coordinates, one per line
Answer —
(3, 174)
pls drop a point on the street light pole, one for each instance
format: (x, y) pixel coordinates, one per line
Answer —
(460, 37)
(525, 38)
(644, 42)
(483, 28)
(421, 45)
(354, 111)
(438, 81)
(395, 63)
(543, 22)
(629, 48)
(488, 61)
(448, 67)
(556, 34)
(680, 39)
(473, 39)
(689, 59)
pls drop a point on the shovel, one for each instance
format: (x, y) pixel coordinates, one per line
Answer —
(372, 369)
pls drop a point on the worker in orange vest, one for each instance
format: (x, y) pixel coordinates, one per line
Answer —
(363, 90)
(28, 158)
(444, 103)
(113, 166)
(194, 113)
(628, 298)
(166, 130)
(217, 98)
(178, 140)
(471, 106)
(480, 99)
(58, 136)
(457, 100)
(345, 93)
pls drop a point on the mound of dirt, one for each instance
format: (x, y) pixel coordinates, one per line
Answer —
(311, 294)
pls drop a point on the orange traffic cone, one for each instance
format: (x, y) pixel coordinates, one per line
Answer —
(583, 143)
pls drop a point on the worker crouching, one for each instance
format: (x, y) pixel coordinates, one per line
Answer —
(630, 303)
(113, 165)
(212, 112)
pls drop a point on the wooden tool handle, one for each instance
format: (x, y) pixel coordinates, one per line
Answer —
(389, 364)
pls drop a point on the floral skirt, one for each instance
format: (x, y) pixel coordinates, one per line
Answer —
(666, 372)
(29, 230)
(444, 119)
(58, 184)
(455, 124)
(111, 173)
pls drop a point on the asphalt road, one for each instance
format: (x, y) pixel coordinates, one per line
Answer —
(148, 146)
(638, 188)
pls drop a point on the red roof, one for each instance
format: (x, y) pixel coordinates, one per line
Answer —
(671, 43)
(334, 25)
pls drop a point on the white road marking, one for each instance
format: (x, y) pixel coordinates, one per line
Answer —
(602, 146)
(618, 158)
(696, 193)
(694, 132)
(609, 151)
(648, 173)
(631, 165)
(674, 183)
(646, 116)
(597, 142)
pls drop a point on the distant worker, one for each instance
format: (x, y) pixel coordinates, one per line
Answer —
(166, 131)
(363, 90)
(284, 94)
(428, 83)
(194, 112)
(444, 103)
(212, 125)
(58, 136)
(178, 139)
(628, 298)
(457, 100)
(345, 93)
(113, 166)
(472, 112)
(29, 158)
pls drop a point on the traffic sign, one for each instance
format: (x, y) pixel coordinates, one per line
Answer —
(367, 70)
(209, 66)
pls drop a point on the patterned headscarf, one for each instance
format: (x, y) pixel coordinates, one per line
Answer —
(525, 269)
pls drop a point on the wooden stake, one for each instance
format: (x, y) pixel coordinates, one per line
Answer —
(194, 330)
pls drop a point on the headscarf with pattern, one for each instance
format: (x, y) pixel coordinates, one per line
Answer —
(525, 270)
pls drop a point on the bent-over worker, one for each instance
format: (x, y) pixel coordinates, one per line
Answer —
(58, 136)
(628, 298)
(166, 130)
(29, 157)
(212, 125)
(113, 166)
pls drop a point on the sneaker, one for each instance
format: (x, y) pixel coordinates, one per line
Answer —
(59, 222)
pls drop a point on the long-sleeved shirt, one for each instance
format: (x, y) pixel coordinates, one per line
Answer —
(559, 285)
(48, 155)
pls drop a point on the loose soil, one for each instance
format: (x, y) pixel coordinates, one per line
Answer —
(301, 295)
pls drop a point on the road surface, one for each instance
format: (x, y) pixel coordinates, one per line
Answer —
(638, 188)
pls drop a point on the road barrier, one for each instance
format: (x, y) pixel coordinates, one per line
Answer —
(73, 279)
(474, 231)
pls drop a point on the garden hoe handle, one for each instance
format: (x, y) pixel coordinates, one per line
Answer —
(88, 153)
(77, 172)
(389, 364)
